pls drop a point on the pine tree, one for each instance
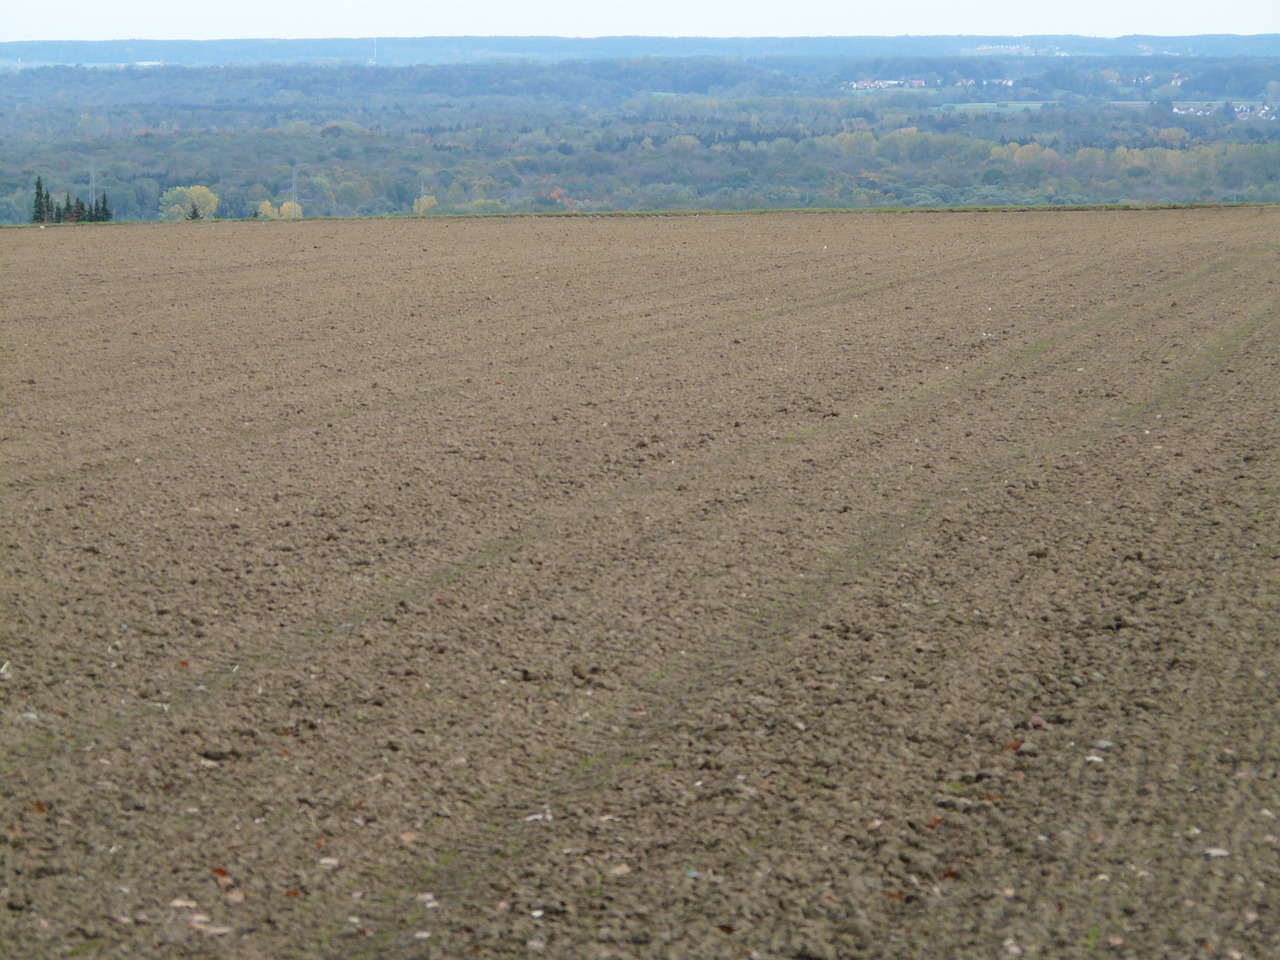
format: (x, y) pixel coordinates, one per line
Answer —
(38, 208)
(45, 210)
(194, 212)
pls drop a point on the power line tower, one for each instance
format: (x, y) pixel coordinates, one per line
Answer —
(293, 189)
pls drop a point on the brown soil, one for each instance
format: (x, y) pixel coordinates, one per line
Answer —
(745, 586)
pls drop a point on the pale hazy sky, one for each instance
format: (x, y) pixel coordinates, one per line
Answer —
(231, 19)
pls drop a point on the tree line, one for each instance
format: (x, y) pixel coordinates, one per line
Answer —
(44, 209)
(644, 134)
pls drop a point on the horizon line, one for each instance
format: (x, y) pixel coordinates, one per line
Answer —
(651, 36)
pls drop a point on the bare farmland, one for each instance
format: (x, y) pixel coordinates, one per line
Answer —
(745, 586)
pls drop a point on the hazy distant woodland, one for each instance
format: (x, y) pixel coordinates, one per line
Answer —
(449, 125)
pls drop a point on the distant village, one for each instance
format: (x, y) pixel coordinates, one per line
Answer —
(1243, 111)
(922, 84)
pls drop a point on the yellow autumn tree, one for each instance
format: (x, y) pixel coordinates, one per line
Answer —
(425, 204)
(267, 212)
(290, 210)
(177, 203)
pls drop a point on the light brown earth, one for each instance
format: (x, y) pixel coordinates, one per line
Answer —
(788, 586)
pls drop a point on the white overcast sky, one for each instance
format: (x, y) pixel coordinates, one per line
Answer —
(235, 19)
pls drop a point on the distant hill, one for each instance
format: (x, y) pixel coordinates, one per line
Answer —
(402, 51)
(539, 124)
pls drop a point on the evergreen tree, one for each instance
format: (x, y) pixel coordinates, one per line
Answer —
(38, 208)
(194, 212)
(104, 214)
(78, 211)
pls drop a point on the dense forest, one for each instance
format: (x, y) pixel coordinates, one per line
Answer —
(1010, 127)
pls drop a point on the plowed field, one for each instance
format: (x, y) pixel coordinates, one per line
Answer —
(784, 586)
